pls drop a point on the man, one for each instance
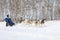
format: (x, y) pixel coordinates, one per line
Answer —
(9, 21)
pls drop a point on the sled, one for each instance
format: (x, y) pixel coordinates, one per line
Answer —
(9, 22)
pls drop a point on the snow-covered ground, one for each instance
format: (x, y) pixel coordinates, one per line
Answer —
(49, 31)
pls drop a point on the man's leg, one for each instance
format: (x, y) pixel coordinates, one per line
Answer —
(7, 24)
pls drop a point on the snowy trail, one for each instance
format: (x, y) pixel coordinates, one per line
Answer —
(51, 31)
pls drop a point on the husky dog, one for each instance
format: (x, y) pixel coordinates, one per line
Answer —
(40, 22)
(21, 20)
(27, 21)
(37, 22)
(43, 21)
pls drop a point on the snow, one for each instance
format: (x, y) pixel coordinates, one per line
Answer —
(49, 31)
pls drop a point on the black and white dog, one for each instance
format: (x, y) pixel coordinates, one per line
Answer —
(40, 22)
(43, 21)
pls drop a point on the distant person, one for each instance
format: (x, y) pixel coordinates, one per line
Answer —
(8, 21)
